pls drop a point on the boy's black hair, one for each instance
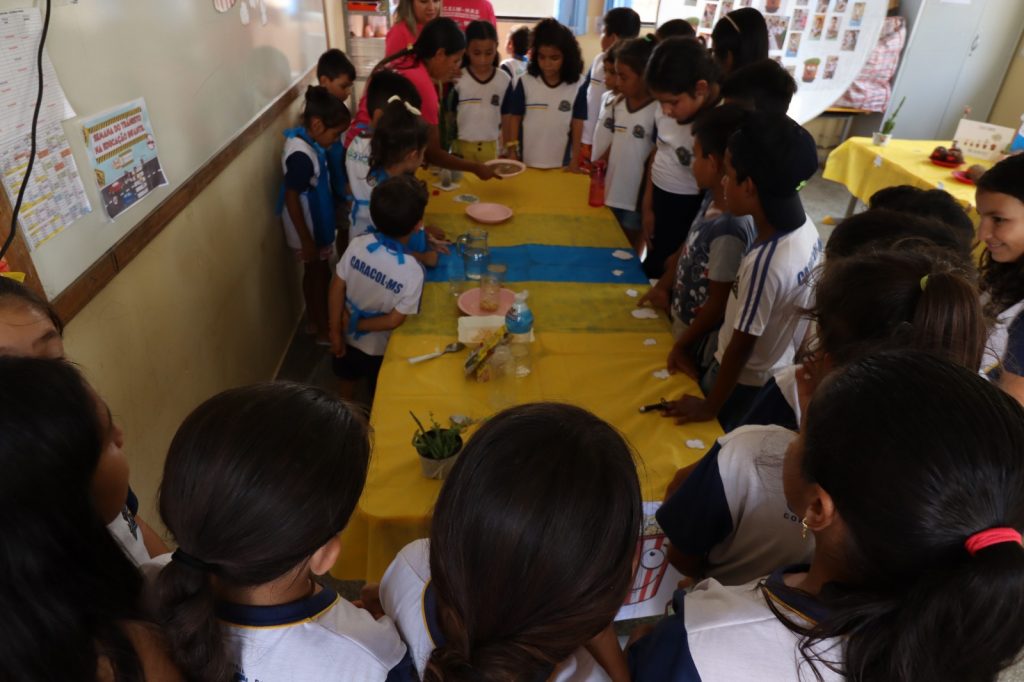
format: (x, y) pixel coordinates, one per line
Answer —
(677, 64)
(623, 22)
(397, 205)
(325, 106)
(935, 203)
(550, 33)
(713, 128)
(763, 86)
(675, 28)
(480, 30)
(883, 229)
(386, 84)
(520, 39)
(742, 33)
(333, 64)
(635, 53)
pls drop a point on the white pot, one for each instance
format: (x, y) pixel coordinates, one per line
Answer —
(880, 139)
(437, 469)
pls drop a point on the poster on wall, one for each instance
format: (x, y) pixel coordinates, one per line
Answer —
(122, 151)
(822, 43)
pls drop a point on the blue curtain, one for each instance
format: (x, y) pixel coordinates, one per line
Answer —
(611, 4)
(573, 13)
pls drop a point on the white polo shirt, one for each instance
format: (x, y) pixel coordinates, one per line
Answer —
(376, 282)
(632, 139)
(595, 92)
(480, 104)
(771, 291)
(671, 168)
(357, 166)
(296, 145)
(548, 113)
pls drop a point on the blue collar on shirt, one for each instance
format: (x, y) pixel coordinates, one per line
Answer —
(281, 614)
(792, 600)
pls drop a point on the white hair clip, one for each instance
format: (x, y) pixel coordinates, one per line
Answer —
(410, 108)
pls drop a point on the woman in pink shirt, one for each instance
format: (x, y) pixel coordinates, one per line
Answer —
(435, 57)
(465, 11)
(409, 19)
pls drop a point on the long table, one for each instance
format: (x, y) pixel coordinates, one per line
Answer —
(589, 351)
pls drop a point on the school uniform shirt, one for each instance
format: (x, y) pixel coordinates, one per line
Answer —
(771, 290)
(1005, 345)
(605, 129)
(322, 637)
(409, 598)
(301, 172)
(777, 402)
(631, 143)
(480, 104)
(595, 92)
(465, 11)
(360, 183)
(672, 160)
(732, 510)
(514, 68)
(127, 532)
(377, 283)
(713, 251)
(548, 112)
(729, 634)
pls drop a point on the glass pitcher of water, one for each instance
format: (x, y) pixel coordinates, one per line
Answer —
(475, 254)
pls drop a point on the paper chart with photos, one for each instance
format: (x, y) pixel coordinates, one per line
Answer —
(822, 43)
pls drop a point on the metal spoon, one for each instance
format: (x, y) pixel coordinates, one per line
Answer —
(450, 348)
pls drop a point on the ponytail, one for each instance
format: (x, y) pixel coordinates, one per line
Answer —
(948, 320)
(441, 33)
(186, 610)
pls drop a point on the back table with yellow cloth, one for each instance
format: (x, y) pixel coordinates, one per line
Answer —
(589, 350)
(865, 168)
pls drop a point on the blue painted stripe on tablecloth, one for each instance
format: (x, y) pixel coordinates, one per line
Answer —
(546, 263)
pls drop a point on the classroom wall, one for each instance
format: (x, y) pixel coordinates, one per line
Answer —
(211, 303)
(1009, 104)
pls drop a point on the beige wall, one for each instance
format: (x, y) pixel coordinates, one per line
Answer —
(211, 303)
(1010, 102)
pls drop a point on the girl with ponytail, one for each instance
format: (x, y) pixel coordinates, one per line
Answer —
(915, 501)
(728, 518)
(531, 554)
(257, 485)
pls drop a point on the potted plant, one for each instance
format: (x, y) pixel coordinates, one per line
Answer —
(438, 446)
(882, 137)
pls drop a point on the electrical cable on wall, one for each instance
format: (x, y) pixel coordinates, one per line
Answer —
(35, 124)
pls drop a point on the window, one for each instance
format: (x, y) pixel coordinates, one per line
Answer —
(647, 9)
(525, 8)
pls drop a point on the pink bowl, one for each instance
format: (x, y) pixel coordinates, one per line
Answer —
(469, 302)
(489, 214)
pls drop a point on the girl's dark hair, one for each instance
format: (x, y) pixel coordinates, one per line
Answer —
(764, 85)
(550, 33)
(612, 53)
(899, 299)
(520, 38)
(66, 588)
(747, 45)
(927, 203)
(480, 30)
(913, 474)
(713, 127)
(675, 28)
(532, 543)
(398, 132)
(677, 64)
(325, 106)
(635, 53)
(12, 292)
(1004, 282)
(879, 228)
(441, 33)
(623, 22)
(256, 480)
(384, 85)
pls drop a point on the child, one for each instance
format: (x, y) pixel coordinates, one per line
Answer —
(761, 86)
(71, 599)
(29, 326)
(481, 95)
(602, 133)
(619, 23)
(918, 570)
(548, 106)
(630, 120)
(683, 77)
(409, 19)
(500, 592)
(307, 205)
(728, 519)
(769, 159)
(517, 48)
(375, 286)
(1000, 199)
(395, 147)
(335, 72)
(699, 276)
(257, 485)
(740, 38)
(673, 28)
(927, 203)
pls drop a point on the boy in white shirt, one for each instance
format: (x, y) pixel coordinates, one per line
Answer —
(619, 23)
(768, 161)
(376, 283)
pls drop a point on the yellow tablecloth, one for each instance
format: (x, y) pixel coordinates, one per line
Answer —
(589, 350)
(864, 169)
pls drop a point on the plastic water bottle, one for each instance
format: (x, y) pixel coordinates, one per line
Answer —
(519, 323)
(597, 184)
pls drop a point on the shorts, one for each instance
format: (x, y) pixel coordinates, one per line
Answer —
(628, 220)
(324, 253)
(475, 151)
(356, 364)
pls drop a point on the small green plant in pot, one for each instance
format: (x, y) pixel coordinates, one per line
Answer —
(438, 446)
(882, 137)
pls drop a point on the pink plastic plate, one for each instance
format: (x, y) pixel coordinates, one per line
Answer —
(489, 214)
(469, 302)
(963, 177)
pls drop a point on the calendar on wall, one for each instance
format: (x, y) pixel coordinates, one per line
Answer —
(822, 43)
